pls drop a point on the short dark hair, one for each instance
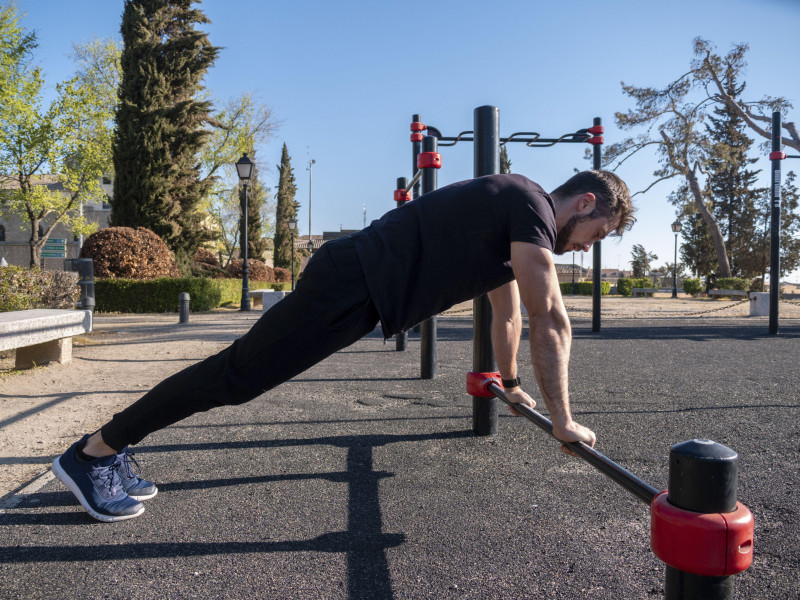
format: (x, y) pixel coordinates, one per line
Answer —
(612, 196)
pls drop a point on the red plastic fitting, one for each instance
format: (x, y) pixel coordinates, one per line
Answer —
(416, 137)
(428, 160)
(598, 139)
(777, 155)
(596, 130)
(417, 126)
(402, 196)
(478, 382)
(716, 544)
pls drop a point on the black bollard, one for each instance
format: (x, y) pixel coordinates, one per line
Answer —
(703, 478)
(401, 339)
(183, 301)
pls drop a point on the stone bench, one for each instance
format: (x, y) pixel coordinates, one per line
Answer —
(266, 298)
(730, 293)
(42, 335)
(647, 292)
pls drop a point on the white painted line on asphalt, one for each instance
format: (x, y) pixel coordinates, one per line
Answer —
(33, 487)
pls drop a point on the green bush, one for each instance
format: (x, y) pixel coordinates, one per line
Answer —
(625, 285)
(161, 295)
(692, 286)
(21, 289)
(733, 283)
(584, 288)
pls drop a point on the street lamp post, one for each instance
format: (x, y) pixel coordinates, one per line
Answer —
(310, 164)
(244, 167)
(676, 229)
(292, 227)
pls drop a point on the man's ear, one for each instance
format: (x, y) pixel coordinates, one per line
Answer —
(586, 203)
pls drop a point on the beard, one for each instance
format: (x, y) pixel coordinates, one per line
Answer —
(562, 238)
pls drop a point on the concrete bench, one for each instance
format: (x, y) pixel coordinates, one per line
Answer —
(647, 292)
(266, 298)
(42, 335)
(729, 293)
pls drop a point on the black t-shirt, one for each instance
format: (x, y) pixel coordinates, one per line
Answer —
(450, 245)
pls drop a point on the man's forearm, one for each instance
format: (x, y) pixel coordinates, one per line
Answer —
(505, 341)
(551, 339)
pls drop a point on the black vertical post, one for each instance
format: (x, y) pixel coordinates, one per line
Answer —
(486, 141)
(401, 339)
(775, 226)
(416, 145)
(703, 477)
(245, 305)
(597, 156)
(428, 327)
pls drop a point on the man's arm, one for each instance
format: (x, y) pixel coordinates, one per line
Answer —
(551, 336)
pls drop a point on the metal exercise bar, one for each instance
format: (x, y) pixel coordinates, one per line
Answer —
(642, 490)
(530, 138)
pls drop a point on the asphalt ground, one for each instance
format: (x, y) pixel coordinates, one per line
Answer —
(358, 480)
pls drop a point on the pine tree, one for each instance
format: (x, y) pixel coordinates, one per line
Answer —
(285, 209)
(160, 123)
(641, 260)
(256, 197)
(731, 184)
(505, 163)
(697, 248)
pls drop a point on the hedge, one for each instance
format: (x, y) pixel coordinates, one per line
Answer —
(625, 285)
(161, 295)
(692, 286)
(584, 288)
(21, 289)
(733, 283)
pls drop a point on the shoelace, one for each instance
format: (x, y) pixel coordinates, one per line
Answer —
(127, 463)
(108, 477)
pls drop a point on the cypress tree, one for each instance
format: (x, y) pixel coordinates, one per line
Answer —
(256, 198)
(285, 209)
(505, 163)
(160, 123)
(732, 184)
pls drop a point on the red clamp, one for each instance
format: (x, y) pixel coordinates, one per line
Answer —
(428, 160)
(598, 139)
(477, 383)
(417, 126)
(777, 155)
(402, 196)
(596, 130)
(416, 137)
(717, 544)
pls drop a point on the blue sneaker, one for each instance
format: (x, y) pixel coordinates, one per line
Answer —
(136, 487)
(97, 485)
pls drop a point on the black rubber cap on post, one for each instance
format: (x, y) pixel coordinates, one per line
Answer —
(703, 476)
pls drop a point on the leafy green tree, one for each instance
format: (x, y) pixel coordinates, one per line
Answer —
(641, 260)
(286, 208)
(696, 248)
(69, 139)
(161, 124)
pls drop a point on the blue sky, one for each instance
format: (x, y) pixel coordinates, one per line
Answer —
(345, 77)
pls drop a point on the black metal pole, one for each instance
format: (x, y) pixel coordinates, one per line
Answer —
(486, 142)
(245, 305)
(428, 326)
(573, 273)
(597, 163)
(675, 270)
(401, 339)
(775, 227)
(703, 477)
(293, 259)
(416, 145)
(642, 490)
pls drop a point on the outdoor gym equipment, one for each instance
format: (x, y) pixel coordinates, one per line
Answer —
(697, 528)
(776, 156)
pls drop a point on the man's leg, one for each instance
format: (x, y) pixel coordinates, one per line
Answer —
(329, 310)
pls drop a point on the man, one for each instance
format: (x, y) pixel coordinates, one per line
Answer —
(495, 234)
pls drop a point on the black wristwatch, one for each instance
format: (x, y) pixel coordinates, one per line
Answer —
(509, 383)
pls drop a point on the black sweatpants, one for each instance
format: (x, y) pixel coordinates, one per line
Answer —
(330, 309)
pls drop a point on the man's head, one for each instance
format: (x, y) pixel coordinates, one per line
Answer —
(590, 206)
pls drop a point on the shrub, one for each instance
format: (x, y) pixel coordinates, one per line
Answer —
(692, 286)
(161, 295)
(756, 284)
(282, 275)
(129, 253)
(206, 264)
(21, 289)
(258, 270)
(584, 288)
(733, 283)
(624, 286)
